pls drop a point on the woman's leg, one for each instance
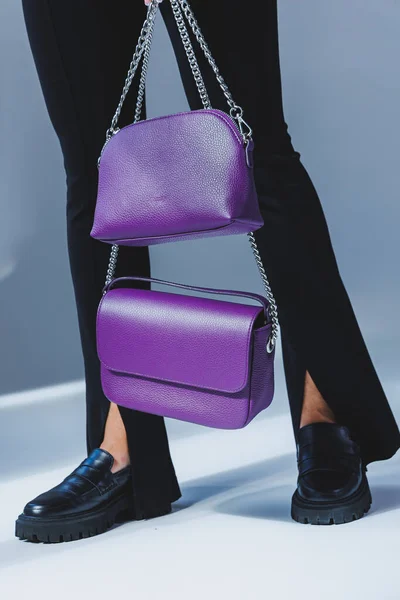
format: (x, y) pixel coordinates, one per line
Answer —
(315, 409)
(320, 334)
(82, 50)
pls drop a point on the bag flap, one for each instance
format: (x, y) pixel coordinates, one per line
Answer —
(186, 340)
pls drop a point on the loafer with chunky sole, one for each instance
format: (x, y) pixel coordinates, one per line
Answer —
(332, 486)
(86, 503)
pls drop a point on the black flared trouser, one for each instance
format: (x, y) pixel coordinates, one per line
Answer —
(82, 49)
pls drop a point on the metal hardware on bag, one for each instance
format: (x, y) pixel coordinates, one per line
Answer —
(110, 132)
(112, 264)
(245, 129)
(109, 135)
(249, 147)
(270, 345)
(236, 112)
(180, 9)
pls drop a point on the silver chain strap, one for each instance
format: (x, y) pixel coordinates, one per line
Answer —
(146, 37)
(112, 264)
(143, 43)
(236, 112)
(273, 309)
(187, 44)
(143, 76)
(204, 46)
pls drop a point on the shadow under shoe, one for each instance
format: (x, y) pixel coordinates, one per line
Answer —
(86, 503)
(332, 486)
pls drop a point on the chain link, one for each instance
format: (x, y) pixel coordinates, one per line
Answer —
(236, 111)
(145, 39)
(273, 309)
(112, 264)
(187, 44)
(145, 34)
(143, 76)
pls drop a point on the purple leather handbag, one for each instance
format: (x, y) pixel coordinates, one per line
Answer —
(181, 176)
(195, 359)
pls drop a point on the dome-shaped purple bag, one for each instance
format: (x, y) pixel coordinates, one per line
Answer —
(176, 177)
(190, 358)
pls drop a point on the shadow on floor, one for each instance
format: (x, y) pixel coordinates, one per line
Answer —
(205, 488)
(203, 492)
(217, 493)
(273, 503)
(269, 503)
(221, 492)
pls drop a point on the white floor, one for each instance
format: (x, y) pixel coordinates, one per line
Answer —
(229, 537)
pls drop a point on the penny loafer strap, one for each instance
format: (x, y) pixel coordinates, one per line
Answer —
(329, 462)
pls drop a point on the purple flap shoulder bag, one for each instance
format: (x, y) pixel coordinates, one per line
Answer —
(196, 359)
(181, 176)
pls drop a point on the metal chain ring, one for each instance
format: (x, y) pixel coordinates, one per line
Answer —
(112, 264)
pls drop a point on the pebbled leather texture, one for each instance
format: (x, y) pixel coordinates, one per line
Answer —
(330, 467)
(194, 359)
(89, 486)
(173, 178)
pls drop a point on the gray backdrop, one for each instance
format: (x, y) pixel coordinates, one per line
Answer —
(342, 98)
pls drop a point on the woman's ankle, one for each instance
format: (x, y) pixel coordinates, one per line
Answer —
(115, 440)
(315, 409)
(119, 453)
(320, 415)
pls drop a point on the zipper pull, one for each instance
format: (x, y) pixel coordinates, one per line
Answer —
(249, 148)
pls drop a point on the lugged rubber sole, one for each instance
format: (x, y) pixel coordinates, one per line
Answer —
(89, 524)
(335, 513)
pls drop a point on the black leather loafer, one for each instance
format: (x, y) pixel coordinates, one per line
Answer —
(88, 502)
(332, 486)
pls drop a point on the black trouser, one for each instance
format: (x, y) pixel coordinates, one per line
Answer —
(82, 50)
